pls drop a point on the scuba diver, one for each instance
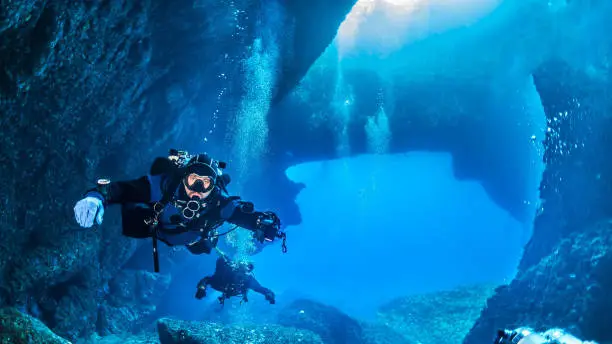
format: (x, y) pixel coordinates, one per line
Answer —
(183, 201)
(233, 279)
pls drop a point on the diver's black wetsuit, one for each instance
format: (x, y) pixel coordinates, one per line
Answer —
(232, 280)
(139, 196)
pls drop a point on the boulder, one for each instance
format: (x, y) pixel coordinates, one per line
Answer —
(331, 324)
(19, 328)
(568, 289)
(192, 332)
(132, 299)
(437, 317)
(143, 338)
(377, 333)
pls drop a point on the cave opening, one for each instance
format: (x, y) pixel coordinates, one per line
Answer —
(420, 209)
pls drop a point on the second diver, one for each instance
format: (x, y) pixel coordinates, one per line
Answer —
(233, 279)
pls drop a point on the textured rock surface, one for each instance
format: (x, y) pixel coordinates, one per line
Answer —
(577, 182)
(314, 22)
(569, 289)
(146, 338)
(564, 273)
(382, 334)
(439, 317)
(328, 322)
(16, 328)
(333, 326)
(176, 331)
(69, 101)
(131, 301)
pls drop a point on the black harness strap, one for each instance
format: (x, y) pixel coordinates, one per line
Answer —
(158, 208)
(155, 254)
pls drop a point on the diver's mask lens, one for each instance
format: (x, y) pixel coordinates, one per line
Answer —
(198, 183)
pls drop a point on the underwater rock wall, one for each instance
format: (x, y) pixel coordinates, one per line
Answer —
(99, 88)
(73, 89)
(564, 276)
(436, 317)
(16, 327)
(569, 288)
(576, 186)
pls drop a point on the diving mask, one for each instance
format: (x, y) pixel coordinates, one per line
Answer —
(197, 183)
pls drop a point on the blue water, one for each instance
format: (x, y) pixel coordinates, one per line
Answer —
(380, 227)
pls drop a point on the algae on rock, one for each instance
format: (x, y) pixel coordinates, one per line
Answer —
(568, 289)
(331, 324)
(177, 331)
(16, 327)
(437, 317)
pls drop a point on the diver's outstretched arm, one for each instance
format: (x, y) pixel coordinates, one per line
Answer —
(91, 207)
(201, 292)
(256, 287)
(204, 282)
(265, 225)
(128, 191)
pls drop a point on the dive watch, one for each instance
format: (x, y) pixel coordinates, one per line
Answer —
(103, 187)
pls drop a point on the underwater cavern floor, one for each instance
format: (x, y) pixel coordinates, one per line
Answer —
(427, 319)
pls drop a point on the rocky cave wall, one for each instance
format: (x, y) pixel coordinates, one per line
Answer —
(564, 276)
(90, 89)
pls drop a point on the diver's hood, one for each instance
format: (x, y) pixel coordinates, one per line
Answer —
(203, 165)
(201, 169)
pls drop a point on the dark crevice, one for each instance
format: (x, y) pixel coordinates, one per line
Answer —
(39, 41)
(8, 87)
(48, 301)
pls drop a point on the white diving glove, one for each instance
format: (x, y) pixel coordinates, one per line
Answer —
(86, 209)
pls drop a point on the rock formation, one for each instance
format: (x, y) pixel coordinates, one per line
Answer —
(176, 331)
(16, 327)
(437, 317)
(565, 270)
